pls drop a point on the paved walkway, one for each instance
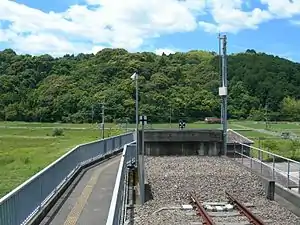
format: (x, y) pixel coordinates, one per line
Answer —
(90, 199)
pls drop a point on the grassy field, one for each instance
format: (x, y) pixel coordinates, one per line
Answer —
(270, 141)
(26, 148)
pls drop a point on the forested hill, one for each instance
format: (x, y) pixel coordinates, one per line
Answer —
(71, 88)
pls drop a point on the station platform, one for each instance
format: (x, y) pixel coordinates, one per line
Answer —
(88, 198)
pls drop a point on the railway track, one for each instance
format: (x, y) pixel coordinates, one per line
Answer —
(226, 213)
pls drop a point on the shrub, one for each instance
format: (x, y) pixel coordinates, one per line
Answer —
(58, 132)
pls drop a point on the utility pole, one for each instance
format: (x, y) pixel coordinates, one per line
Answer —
(266, 115)
(92, 114)
(102, 120)
(221, 74)
(170, 117)
(223, 90)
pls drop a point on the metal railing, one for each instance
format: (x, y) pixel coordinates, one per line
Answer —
(283, 171)
(20, 205)
(118, 206)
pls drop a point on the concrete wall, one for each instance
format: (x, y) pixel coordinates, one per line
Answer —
(182, 142)
(192, 135)
(187, 142)
(182, 148)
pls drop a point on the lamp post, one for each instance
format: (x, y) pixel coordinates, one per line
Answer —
(102, 120)
(135, 77)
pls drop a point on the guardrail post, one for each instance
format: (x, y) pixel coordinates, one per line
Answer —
(271, 190)
(242, 152)
(288, 175)
(261, 163)
(104, 147)
(234, 149)
(273, 168)
(113, 144)
(250, 158)
(299, 180)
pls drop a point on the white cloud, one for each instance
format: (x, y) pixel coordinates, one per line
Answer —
(128, 23)
(232, 16)
(167, 51)
(283, 8)
(124, 24)
(229, 16)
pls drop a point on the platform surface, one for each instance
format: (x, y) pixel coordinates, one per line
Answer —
(89, 200)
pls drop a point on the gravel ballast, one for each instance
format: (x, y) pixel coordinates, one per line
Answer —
(173, 178)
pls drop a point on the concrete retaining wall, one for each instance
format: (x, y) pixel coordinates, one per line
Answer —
(182, 142)
(193, 135)
(182, 148)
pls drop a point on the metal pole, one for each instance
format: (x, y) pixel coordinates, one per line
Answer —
(92, 114)
(273, 168)
(299, 181)
(261, 163)
(288, 174)
(102, 120)
(221, 75)
(137, 118)
(143, 160)
(170, 116)
(224, 95)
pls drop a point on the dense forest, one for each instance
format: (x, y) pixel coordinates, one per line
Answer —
(183, 85)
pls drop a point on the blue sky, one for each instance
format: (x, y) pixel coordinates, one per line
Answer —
(71, 26)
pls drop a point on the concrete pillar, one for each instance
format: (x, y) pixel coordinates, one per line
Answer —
(210, 149)
(201, 150)
(214, 149)
(270, 189)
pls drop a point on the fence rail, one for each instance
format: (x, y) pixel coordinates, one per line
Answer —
(20, 205)
(117, 210)
(284, 171)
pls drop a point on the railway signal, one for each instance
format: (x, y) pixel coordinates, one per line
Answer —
(181, 124)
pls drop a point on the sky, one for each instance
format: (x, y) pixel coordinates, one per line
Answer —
(60, 27)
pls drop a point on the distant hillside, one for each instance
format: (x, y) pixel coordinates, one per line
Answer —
(70, 89)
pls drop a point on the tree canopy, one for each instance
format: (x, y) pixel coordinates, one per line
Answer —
(184, 85)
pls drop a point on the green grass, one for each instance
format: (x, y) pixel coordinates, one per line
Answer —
(277, 145)
(24, 152)
(272, 125)
(51, 125)
(254, 134)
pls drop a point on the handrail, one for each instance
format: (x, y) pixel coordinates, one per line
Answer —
(270, 153)
(14, 191)
(265, 164)
(287, 176)
(113, 215)
(244, 137)
(25, 201)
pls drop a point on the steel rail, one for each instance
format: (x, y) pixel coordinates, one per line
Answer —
(207, 220)
(246, 212)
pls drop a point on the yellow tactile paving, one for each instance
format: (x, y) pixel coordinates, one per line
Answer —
(74, 215)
